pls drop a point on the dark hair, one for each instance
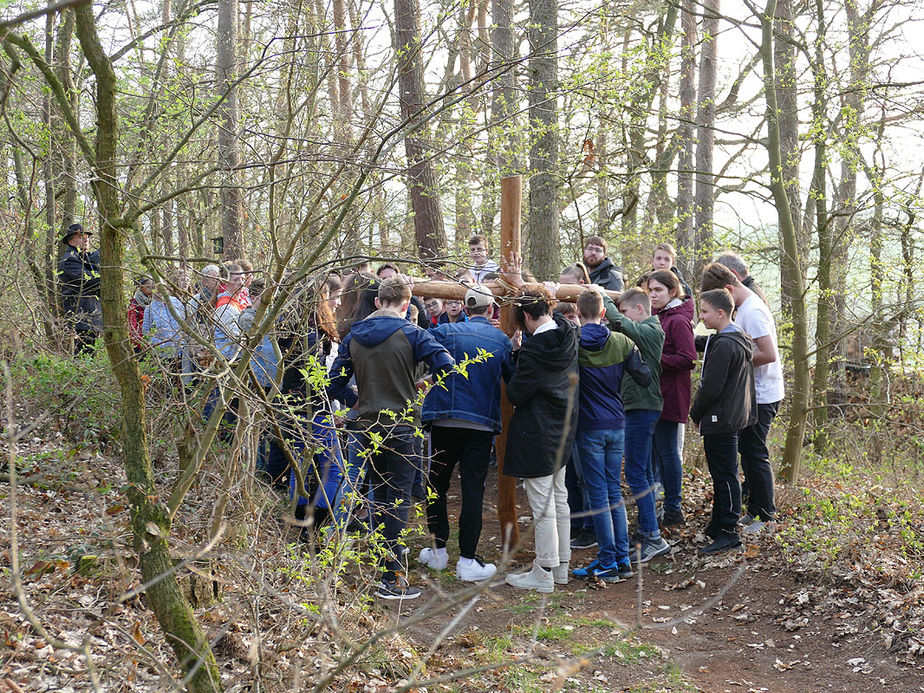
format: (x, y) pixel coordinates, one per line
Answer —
(634, 296)
(668, 279)
(717, 276)
(143, 279)
(333, 282)
(590, 303)
(387, 265)
(719, 299)
(566, 308)
(257, 287)
(357, 300)
(597, 240)
(478, 238)
(534, 302)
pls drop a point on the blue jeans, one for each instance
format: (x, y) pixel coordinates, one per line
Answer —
(666, 459)
(601, 461)
(354, 475)
(323, 468)
(640, 425)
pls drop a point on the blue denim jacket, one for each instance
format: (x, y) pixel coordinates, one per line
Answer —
(477, 397)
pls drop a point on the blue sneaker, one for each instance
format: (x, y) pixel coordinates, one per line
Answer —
(613, 573)
(607, 573)
(588, 571)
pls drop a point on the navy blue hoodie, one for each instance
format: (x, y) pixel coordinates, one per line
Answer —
(602, 358)
(383, 351)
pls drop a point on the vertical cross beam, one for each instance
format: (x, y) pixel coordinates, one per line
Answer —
(511, 197)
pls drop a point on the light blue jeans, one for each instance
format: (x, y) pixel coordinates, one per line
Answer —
(601, 462)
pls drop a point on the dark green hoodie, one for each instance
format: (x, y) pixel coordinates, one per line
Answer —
(649, 338)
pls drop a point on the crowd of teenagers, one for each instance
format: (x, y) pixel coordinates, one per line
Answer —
(377, 395)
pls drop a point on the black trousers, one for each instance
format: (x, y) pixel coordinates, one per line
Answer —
(392, 464)
(722, 457)
(471, 450)
(755, 462)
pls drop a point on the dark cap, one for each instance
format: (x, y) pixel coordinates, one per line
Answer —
(74, 229)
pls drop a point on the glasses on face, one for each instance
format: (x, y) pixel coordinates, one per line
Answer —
(595, 249)
(454, 304)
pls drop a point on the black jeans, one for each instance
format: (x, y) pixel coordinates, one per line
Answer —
(471, 450)
(755, 461)
(391, 468)
(722, 457)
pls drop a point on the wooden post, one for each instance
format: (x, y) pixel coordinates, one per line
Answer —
(511, 197)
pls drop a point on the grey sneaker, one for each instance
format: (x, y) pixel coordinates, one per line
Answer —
(651, 548)
(561, 574)
(759, 527)
(396, 590)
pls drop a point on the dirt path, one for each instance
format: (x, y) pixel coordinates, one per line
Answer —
(743, 622)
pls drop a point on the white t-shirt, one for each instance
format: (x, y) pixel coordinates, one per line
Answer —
(754, 317)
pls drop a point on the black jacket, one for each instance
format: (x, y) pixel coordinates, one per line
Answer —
(540, 389)
(79, 276)
(607, 275)
(726, 401)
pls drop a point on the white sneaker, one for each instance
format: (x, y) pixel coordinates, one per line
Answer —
(538, 579)
(434, 559)
(474, 569)
(561, 573)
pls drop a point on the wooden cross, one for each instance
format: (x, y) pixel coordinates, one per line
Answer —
(511, 197)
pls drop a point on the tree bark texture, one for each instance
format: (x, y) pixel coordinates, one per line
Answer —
(793, 279)
(705, 138)
(429, 229)
(150, 524)
(543, 243)
(784, 57)
(824, 229)
(229, 155)
(684, 232)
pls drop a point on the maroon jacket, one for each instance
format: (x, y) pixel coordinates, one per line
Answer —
(677, 360)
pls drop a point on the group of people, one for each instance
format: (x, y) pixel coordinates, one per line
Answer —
(597, 384)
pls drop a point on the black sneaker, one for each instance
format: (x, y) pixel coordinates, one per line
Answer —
(672, 518)
(397, 590)
(625, 572)
(725, 542)
(584, 540)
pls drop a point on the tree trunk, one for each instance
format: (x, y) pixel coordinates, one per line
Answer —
(824, 228)
(502, 133)
(149, 520)
(784, 57)
(684, 233)
(429, 230)
(793, 279)
(705, 139)
(229, 156)
(543, 243)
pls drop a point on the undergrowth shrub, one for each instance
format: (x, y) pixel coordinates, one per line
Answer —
(78, 395)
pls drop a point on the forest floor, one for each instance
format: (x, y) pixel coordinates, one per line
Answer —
(834, 601)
